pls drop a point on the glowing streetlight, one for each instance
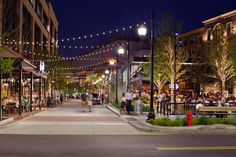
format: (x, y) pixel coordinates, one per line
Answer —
(103, 76)
(107, 72)
(121, 51)
(142, 30)
(112, 62)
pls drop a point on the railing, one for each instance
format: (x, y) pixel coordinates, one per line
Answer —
(167, 108)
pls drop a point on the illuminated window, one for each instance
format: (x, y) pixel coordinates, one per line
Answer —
(209, 34)
(218, 31)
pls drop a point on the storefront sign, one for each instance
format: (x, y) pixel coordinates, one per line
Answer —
(41, 66)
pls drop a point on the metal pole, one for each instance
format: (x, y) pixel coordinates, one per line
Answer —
(175, 47)
(31, 91)
(0, 95)
(117, 60)
(128, 69)
(20, 88)
(151, 114)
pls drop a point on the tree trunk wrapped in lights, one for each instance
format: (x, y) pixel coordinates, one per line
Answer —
(222, 63)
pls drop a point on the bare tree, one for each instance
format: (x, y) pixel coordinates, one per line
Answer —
(222, 63)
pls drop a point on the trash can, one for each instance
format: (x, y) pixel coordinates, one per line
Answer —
(138, 108)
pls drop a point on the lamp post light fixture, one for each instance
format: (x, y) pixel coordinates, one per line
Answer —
(103, 76)
(112, 62)
(142, 31)
(107, 72)
(121, 51)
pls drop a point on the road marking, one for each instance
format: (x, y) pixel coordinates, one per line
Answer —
(196, 148)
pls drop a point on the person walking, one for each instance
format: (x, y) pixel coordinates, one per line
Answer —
(84, 102)
(61, 98)
(123, 104)
(129, 98)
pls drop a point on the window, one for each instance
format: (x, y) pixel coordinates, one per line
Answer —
(229, 28)
(218, 31)
(32, 3)
(38, 8)
(45, 21)
(209, 34)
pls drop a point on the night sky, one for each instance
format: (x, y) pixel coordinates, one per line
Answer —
(82, 17)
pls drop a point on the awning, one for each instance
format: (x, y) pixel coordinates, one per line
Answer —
(26, 65)
(8, 53)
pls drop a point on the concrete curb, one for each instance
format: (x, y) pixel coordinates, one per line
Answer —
(195, 130)
(6, 121)
(217, 129)
(113, 109)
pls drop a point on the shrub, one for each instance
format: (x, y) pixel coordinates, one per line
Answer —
(179, 122)
(231, 120)
(212, 121)
(151, 121)
(195, 122)
(203, 120)
(116, 105)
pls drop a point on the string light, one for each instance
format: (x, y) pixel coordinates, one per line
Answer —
(54, 44)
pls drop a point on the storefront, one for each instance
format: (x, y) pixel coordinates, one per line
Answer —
(26, 81)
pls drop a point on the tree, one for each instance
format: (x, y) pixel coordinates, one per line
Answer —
(167, 27)
(164, 54)
(222, 62)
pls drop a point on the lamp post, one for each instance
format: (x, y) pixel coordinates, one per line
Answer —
(175, 54)
(142, 31)
(108, 92)
(120, 51)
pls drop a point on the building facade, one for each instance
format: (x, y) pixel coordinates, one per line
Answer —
(28, 26)
(222, 25)
(28, 29)
(195, 43)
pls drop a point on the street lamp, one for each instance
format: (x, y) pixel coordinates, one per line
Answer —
(107, 72)
(120, 51)
(142, 31)
(112, 62)
(175, 81)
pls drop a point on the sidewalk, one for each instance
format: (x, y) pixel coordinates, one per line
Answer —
(10, 118)
(69, 119)
(138, 121)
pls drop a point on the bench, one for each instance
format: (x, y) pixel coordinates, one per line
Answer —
(214, 110)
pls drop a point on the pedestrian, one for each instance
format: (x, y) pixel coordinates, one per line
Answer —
(49, 101)
(90, 102)
(84, 101)
(102, 97)
(129, 98)
(61, 98)
(123, 104)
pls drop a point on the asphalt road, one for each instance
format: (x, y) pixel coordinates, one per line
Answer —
(116, 146)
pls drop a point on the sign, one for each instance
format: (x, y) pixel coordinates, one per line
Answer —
(41, 66)
(171, 86)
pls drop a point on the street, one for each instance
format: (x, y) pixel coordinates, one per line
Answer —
(67, 131)
(112, 146)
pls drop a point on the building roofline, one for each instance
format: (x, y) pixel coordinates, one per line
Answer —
(228, 14)
(191, 32)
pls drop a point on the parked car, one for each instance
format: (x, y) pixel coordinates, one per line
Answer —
(95, 99)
